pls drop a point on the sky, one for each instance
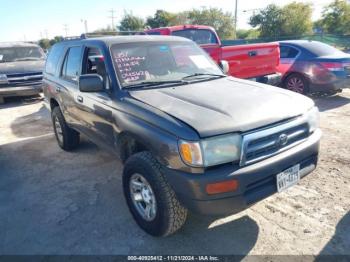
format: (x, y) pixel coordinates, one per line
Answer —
(30, 20)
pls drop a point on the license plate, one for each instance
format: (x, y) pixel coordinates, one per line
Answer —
(288, 178)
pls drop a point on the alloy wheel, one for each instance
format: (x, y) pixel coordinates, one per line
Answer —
(143, 197)
(58, 130)
(296, 84)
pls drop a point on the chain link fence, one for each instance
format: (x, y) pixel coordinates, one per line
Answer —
(339, 41)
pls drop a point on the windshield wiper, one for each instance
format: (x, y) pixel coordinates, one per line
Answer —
(209, 75)
(154, 83)
(27, 59)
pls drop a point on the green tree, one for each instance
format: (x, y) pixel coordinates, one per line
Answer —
(297, 19)
(181, 18)
(293, 19)
(44, 43)
(336, 18)
(47, 43)
(269, 21)
(318, 24)
(131, 22)
(160, 19)
(223, 22)
(247, 33)
(56, 39)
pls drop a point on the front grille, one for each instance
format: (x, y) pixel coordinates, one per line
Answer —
(24, 79)
(265, 143)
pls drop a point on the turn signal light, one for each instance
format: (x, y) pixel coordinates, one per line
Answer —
(191, 153)
(222, 187)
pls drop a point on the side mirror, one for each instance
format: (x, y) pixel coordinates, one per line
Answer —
(91, 83)
(225, 67)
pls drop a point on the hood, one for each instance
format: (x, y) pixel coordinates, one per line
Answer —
(22, 67)
(225, 105)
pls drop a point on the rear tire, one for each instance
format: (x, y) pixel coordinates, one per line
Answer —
(67, 138)
(296, 83)
(167, 215)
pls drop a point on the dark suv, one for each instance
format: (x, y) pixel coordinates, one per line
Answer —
(189, 136)
(21, 68)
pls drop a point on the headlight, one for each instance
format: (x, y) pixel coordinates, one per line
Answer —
(313, 119)
(3, 79)
(212, 151)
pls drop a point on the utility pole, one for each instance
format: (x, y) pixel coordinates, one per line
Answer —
(236, 18)
(85, 25)
(65, 28)
(46, 34)
(112, 11)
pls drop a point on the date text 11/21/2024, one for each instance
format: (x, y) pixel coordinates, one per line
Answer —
(173, 258)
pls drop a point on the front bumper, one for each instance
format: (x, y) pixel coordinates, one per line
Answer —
(20, 91)
(256, 181)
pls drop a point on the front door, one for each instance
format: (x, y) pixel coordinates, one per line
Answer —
(96, 108)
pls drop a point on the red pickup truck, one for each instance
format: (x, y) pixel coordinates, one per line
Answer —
(252, 61)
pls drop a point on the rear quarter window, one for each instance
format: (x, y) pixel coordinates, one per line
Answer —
(53, 59)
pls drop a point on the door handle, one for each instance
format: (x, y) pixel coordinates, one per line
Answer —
(80, 99)
(252, 53)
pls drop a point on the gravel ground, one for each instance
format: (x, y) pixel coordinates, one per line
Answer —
(54, 202)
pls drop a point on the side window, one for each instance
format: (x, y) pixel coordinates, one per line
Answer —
(288, 52)
(153, 33)
(200, 36)
(94, 63)
(71, 66)
(53, 59)
(293, 53)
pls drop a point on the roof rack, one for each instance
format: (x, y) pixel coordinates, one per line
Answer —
(68, 38)
(104, 34)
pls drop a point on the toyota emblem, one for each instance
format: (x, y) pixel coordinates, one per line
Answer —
(282, 140)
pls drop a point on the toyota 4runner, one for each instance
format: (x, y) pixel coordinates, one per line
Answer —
(190, 137)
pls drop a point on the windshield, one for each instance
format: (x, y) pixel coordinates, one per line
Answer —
(152, 62)
(13, 54)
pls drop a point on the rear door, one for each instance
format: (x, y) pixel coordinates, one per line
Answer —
(289, 56)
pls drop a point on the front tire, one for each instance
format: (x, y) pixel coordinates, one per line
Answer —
(150, 198)
(67, 138)
(296, 83)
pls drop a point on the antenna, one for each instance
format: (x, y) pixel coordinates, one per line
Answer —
(65, 28)
(85, 25)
